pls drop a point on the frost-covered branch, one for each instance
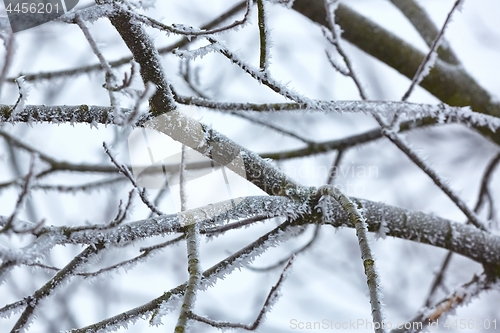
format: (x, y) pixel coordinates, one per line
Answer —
(162, 305)
(48, 288)
(271, 299)
(10, 225)
(473, 218)
(426, 28)
(283, 261)
(334, 39)
(128, 174)
(259, 206)
(106, 10)
(192, 236)
(146, 55)
(181, 29)
(429, 229)
(356, 215)
(261, 77)
(461, 296)
(430, 59)
(95, 115)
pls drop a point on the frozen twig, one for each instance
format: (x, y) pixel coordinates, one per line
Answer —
(334, 39)
(147, 253)
(473, 218)
(271, 299)
(392, 135)
(25, 191)
(193, 256)
(483, 192)
(426, 28)
(109, 74)
(126, 172)
(263, 78)
(354, 210)
(125, 60)
(295, 253)
(429, 60)
(183, 30)
(461, 296)
(48, 288)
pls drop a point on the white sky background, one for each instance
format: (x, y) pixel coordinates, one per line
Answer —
(327, 282)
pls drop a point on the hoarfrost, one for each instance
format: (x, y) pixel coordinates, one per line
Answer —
(198, 53)
(165, 308)
(248, 254)
(90, 14)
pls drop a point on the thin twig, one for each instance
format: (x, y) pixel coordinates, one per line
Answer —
(429, 60)
(335, 166)
(271, 299)
(483, 191)
(295, 253)
(183, 30)
(25, 190)
(48, 288)
(426, 28)
(459, 297)
(193, 255)
(126, 172)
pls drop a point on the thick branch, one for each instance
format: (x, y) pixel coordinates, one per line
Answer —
(146, 55)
